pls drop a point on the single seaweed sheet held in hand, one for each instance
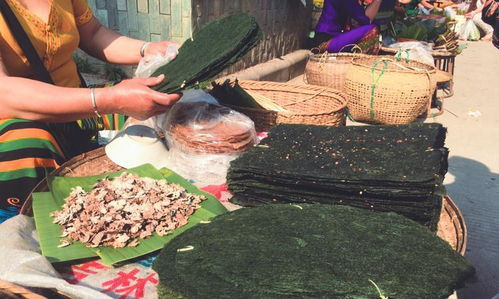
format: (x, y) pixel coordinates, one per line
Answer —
(309, 251)
(212, 49)
(386, 168)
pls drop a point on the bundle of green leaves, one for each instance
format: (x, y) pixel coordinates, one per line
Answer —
(210, 50)
(421, 29)
(309, 251)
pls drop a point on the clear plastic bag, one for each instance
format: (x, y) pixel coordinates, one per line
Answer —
(417, 51)
(149, 64)
(203, 138)
(469, 31)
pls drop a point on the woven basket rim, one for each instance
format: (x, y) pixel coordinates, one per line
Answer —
(314, 89)
(434, 53)
(18, 290)
(424, 67)
(325, 58)
(458, 222)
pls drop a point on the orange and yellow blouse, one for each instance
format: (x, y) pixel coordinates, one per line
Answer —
(55, 41)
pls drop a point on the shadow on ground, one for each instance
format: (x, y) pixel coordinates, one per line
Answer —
(475, 190)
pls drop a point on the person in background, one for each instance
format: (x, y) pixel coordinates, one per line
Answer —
(490, 15)
(426, 7)
(475, 14)
(30, 147)
(333, 33)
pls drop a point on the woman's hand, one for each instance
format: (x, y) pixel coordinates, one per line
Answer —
(135, 98)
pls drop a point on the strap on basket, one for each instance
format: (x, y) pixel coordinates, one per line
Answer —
(398, 56)
(375, 82)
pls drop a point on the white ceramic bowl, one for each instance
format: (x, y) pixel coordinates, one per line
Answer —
(137, 145)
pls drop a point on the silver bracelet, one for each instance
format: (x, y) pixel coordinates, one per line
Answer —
(143, 48)
(94, 104)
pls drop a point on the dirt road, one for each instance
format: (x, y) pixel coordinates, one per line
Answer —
(472, 119)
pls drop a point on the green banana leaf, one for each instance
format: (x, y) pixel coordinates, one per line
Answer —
(48, 232)
(235, 95)
(60, 187)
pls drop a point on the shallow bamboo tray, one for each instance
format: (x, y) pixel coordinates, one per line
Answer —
(451, 227)
(305, 104)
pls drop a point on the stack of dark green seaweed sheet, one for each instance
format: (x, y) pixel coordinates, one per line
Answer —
(309, 251)
(210, 50)
(383, 168)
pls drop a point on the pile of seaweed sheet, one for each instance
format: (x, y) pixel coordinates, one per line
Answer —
(309, 251)
(384, 168)
(210, 50)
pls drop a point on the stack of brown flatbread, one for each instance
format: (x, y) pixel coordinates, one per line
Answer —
(209, 128)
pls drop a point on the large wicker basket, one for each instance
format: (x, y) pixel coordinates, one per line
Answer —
(305, 104)
(329, 69)
(381, 90)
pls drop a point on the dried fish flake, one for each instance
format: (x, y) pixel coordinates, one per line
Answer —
(116, 212)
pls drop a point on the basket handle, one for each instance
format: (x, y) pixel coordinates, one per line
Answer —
(354, 47)
(322, 61)
(306, 99)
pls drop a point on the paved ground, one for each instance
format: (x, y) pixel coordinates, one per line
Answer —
(473, 178)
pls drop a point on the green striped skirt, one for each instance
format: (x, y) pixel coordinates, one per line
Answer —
(28, 151)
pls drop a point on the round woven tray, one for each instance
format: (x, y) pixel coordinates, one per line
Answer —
(12, 291)
(451, 227)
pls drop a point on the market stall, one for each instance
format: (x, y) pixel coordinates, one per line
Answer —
(322, 209)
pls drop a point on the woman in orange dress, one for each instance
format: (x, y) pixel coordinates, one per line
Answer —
(56, 28)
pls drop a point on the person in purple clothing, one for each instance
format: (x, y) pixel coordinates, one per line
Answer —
(333, 33)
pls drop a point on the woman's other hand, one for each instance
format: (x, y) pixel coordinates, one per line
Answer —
(159, 48)
(135, 98)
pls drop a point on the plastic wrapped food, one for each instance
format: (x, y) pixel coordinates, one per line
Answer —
(417, 51)
(203, 127)
(204, 137)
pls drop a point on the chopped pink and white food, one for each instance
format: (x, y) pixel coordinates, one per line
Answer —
(118, 212)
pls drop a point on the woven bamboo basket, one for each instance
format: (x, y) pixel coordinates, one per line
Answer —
(329, 69)
(306, 104)
(381, 90)
(451, 227)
